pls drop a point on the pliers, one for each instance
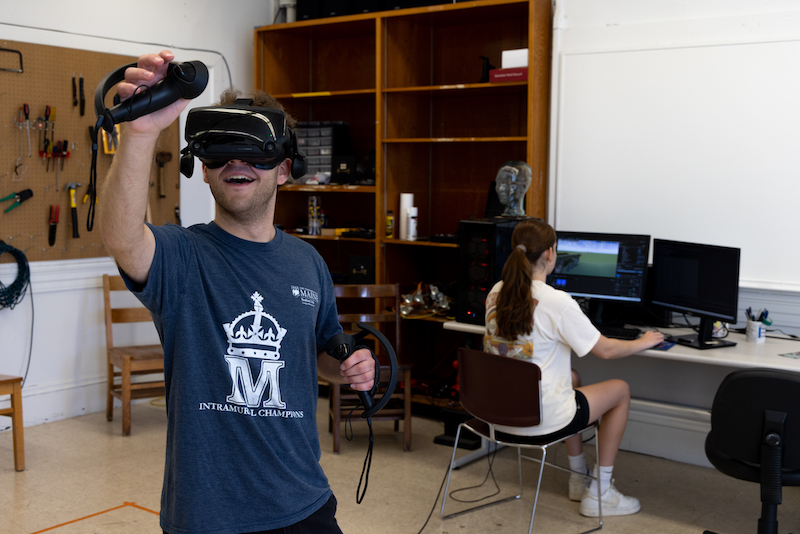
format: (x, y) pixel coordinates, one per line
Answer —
(19, 198)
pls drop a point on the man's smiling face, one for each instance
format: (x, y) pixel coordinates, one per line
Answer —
(245, 193)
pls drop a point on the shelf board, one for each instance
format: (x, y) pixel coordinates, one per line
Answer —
(419, 243)
(458, 87)
(327, 94)
(331, 238)
(453, 139)
(362, 23)
(310, 188)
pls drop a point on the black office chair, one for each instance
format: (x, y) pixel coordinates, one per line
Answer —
(755, 434)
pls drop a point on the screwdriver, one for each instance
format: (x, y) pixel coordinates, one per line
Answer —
(46, 126)
(27, 111)
(49, 153)
(57, 154)
(53, 125)
(39, 126)
(64, 147)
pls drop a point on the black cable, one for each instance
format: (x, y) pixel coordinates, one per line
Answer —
(490, 457)
(162, 45)
(94, 133)
(12, 295)
(367, 460)
(436, 500)
(791, 337)
(365, 468)
(30, 344)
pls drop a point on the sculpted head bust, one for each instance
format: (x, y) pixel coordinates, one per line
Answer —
(512, 182)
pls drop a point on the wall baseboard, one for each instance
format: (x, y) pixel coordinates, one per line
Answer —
(668, 431)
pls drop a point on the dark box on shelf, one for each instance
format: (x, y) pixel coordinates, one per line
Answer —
(335, 8)
(308, 9)
(366, 6)
(404, 4)
(343, 170)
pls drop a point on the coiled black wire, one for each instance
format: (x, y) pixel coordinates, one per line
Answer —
(13, 294)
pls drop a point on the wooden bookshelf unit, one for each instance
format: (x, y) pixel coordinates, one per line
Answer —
(408, 83)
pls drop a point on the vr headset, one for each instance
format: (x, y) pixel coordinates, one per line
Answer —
(256, 135)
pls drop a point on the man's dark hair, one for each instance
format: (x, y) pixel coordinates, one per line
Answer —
(260, 99)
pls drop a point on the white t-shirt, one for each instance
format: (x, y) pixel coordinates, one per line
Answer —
(559, 328)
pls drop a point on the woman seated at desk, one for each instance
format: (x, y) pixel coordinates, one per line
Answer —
(529, 320)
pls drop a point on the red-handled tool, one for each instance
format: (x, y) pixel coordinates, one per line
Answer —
(53, 223)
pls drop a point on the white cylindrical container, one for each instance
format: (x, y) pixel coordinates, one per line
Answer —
(406, 201)
(756, 331)
(291, 9)
(412, 224)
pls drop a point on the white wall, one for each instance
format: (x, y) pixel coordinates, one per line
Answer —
(669, 416)
(67, 373)
(681, 123)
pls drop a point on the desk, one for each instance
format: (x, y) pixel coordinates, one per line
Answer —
(672, 391)
(743, 355)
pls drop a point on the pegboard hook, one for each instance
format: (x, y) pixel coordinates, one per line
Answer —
(20, 70)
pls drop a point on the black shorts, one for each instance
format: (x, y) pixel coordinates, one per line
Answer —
(323, 521)
(577, 424)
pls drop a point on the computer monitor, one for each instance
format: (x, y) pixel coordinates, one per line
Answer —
(610, 267)
(701, 280)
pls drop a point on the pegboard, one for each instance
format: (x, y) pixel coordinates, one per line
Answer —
(47, 80)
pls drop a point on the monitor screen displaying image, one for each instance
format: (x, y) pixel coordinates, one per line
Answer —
(601, 266)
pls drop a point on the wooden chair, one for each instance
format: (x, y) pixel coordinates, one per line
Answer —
(12, 385)
(371, 303)
(498, 390)
(129, 360)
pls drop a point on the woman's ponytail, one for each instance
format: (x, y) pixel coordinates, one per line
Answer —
(530, 240)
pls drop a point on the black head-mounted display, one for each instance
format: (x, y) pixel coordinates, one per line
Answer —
(256, 135)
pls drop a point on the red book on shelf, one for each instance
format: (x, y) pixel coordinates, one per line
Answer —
(517, 74)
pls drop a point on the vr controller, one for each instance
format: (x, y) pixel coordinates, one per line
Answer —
(183, 80)
(341, 346)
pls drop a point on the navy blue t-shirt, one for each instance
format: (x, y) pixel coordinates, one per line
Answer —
(241, 324)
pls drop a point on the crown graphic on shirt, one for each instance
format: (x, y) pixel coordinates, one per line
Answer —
(255, 334)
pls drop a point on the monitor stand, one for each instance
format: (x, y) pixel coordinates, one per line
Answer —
(703, 340)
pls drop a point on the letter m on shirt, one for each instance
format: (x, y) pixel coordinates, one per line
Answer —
(247, 392)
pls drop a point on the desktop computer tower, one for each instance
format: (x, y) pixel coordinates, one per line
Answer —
(483, 247)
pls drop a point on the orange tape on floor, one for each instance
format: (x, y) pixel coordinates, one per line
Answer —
(132, 504)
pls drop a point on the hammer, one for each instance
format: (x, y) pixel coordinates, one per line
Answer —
(74, 207)
(161, 159)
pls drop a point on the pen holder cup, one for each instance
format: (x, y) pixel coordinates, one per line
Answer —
(756, 332)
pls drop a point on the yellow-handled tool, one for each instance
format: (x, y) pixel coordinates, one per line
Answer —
(73, 207)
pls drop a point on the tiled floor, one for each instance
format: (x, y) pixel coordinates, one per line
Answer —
(83, 477)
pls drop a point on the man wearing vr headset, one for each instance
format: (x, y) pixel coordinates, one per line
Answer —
(243, 312)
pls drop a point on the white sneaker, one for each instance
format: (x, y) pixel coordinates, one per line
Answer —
(614, 503)
(577, 484)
